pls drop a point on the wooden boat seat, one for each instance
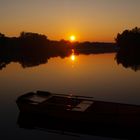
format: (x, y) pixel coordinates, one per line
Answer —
(35, 99)
(82, 106)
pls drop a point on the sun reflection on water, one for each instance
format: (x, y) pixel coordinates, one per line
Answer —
(72, 57)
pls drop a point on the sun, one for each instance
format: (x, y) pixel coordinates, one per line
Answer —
(72, 38)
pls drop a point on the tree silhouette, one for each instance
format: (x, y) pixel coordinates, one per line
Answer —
(2, 35)
(129, 48)
(31, 35)
(129, 38)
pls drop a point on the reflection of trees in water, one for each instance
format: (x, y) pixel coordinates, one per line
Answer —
(129, 48)
(30, 59)
(130, 59)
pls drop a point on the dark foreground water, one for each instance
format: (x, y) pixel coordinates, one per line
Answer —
(98, 76)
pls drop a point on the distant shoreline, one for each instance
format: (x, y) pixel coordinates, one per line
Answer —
(32, 49)
(35, 42)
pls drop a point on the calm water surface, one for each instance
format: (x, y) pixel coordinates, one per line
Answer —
(98, 76)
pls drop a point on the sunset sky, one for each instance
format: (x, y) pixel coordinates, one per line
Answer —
(92, 20)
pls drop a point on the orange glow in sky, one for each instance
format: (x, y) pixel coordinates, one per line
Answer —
(87, 20)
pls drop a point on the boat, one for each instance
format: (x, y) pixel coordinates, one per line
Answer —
(78, 114)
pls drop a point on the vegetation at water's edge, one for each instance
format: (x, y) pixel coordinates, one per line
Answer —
(128, 53)
(32, 49)
(129, 38)
(35, 41)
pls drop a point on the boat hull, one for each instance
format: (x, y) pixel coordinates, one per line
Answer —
(96, 118)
